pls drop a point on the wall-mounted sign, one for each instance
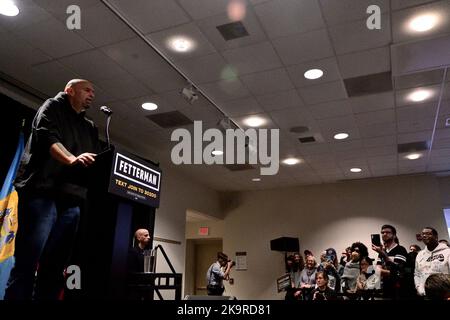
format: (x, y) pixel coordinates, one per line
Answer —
(241, 260)
(203, 231)
(135, 179)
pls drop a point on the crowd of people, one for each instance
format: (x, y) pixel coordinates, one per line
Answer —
(396, 274)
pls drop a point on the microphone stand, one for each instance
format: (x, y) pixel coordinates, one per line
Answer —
(108, 120)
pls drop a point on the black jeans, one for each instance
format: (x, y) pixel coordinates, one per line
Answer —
(215, 290)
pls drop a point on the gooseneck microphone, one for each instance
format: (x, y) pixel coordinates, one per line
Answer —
(108, 112)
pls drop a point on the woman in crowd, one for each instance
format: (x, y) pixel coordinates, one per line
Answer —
(322, 290)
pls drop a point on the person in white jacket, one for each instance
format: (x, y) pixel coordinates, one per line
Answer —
(434, 258)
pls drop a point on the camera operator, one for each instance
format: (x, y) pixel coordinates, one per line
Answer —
(217, 272)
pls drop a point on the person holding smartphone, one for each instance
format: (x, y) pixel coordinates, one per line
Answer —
(391, 262)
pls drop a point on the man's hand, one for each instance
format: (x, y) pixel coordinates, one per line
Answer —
(377, 249)
(85, 159)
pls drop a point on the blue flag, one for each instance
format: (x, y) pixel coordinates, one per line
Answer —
(8, 218)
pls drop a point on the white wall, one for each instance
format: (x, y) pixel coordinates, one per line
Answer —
(216, 229)
(179, 193)
(322, 216)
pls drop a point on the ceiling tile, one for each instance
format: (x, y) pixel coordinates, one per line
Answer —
(365, 62)
(199, 9)
(337, 12)
(378, 130)
(415, 125)
(419, 79)
(54, 84)
(267, 81)
(303, 47)
(331, 109)
(93, 65)
(285, 17)
(355, 36)
(60, 43)
(416, 112)
(252, 58)
(225, 90)
(413, 137)
(372, 102)
(125, 87)
(402, 4)
(323, 92)
(280, 100)
(99, 26)
(382, 151)
(209, 68)
(150, 16)
(241, 107)
(380, 141)
(375, 117)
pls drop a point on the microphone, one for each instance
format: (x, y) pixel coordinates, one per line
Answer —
(106, 110)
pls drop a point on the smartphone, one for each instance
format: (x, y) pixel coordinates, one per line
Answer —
(376, 240)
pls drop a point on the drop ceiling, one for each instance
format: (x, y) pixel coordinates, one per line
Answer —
(368, 76)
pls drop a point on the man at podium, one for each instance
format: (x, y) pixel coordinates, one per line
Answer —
(50, 191)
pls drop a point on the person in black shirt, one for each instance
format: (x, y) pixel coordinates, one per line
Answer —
(323, 291)
(51, 191)
(391, 263)
(136, 254)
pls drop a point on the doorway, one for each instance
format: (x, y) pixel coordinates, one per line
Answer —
(200, 254)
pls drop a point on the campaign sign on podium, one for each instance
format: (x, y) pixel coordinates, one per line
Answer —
(135, 179)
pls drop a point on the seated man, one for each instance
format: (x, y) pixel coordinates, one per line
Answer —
(136, 254)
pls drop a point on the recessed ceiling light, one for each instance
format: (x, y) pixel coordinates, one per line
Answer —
(313, 74)
(149, 106)
(291, 161)
(256, 179)
(217, 152)
(419, 95)
(355, 169)
(8, 8)
(423, 22)
(254, 121)
(181, 44)
(341, 136)
(413, 156)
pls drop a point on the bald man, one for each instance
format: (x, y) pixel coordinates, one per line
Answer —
(51, 191)
(136, 254)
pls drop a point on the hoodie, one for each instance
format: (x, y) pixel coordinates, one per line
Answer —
(429, 262)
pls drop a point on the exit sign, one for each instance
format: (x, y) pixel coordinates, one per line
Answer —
(203, 231)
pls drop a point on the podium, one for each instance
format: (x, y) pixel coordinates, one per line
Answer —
(123, 194)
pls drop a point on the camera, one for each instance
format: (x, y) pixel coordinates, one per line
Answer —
(232, 263)
(189, 95)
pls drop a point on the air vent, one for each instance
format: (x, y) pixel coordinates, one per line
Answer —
(412, 146)
(238, 167)
(232, 30)
(307, 139)
(370, 84)
(170, 119)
